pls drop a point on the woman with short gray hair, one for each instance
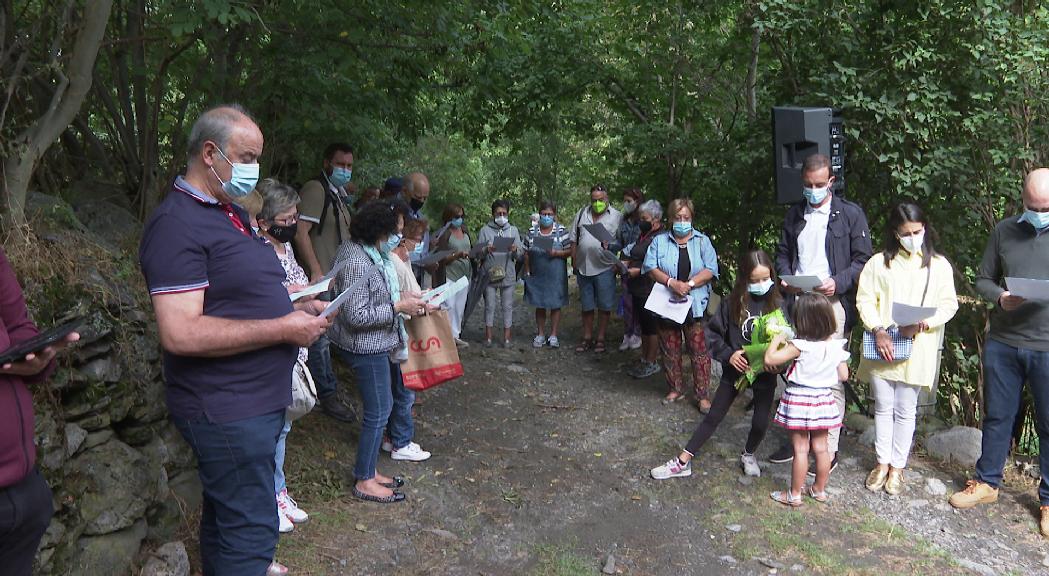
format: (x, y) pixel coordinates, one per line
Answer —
(639, 286)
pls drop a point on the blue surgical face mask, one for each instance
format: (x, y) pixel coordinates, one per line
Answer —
(340, 176)
(418, 251)
(681, 229)
(392, 242)
(457, 223)
(816, 195)
(1037, 219)
(546, 221)
(761, 288)
(242, 180)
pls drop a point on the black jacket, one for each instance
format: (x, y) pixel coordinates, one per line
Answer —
(724, 336)
(848, 248)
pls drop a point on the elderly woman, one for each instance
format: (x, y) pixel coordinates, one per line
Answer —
(639, 286)
(685, 262)
(629, 232)
(907, 271)
(456, 239)
(369, 335)
(546, 272)
(502, 272)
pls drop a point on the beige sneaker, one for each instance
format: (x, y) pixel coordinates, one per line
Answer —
(894, 482)
(975, 493)
(876, 479)
(1044, 524)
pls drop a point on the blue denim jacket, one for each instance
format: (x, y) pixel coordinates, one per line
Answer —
(663, 254)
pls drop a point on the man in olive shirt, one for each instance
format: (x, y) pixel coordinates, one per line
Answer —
(1017, 346)
(324, 224)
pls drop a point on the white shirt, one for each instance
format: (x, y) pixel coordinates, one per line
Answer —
(812, 243)
(817, 366)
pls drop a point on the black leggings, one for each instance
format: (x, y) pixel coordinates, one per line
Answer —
(25, 512)
(764, 389)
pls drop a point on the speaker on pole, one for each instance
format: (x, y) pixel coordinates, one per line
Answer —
(798, 133)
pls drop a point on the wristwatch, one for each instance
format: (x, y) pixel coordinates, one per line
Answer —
(691, 283)
(877, 329)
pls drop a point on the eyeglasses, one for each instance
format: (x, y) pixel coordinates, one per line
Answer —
(286, 221)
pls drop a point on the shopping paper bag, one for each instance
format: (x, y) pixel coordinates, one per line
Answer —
(432, 356)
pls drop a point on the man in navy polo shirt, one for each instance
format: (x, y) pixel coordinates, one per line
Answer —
(229, 334)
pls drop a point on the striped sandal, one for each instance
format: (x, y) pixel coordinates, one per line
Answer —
(784, 497)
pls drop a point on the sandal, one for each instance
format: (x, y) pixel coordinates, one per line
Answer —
(821, 497)
(785, 498)
(395, 497)
(599, 347)
(668, 400)
(584, 345)
(397, 483)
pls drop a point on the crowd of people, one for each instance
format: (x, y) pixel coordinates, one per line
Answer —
(224, 252)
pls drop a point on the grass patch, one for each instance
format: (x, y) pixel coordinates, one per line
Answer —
(561, 561)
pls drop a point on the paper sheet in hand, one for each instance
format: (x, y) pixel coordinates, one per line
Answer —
(543, 243)
(478, 250)
(345, 295)
(906, 315)
(335, 269)
(659, 303)
(1028, 288)
(502, 244)
(439, 295)
(599, 232)
(806, 283)
(432, 258)
(317, 288)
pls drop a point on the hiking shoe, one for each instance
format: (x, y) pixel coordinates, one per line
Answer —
(553, 342)
(290, 508)
(833, 466)
(412, 453)
(975, 493)
(286, 525)
(336, 409)
(672, 469)
(749, 464)
(1044, 523)
(538, 341)
(645, 370)
(782, 455)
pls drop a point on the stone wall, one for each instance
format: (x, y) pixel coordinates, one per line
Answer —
(124, 480)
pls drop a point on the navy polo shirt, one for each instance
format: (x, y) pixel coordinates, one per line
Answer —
(192, 242)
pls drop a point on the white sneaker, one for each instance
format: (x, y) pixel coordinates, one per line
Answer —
(290, 508)
(286, 525)
(412, 453)
(386, 446)
(538, 341)
(462, 343)
(635, 342)
(750, 464)
(672, 469)
(277, 569)
(553, 342)
(627, 340)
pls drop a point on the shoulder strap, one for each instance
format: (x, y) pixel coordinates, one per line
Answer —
(928, 276)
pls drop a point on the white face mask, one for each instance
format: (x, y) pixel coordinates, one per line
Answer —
(914, 242)
(501, 220)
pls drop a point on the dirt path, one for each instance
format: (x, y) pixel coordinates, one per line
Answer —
(541, 463)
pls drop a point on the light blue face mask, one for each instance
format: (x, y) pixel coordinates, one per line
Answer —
(392, 242)
(681, 229)
(418, 251)
(761, 288)
(1039, 220)
(457, 223)
(340, 176)
(242, 180)
(816, 195)
(546, 221)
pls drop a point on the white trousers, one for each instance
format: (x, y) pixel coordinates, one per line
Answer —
(456, 307)
(895, 406)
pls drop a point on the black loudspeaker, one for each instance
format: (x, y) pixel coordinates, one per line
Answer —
(798, 133)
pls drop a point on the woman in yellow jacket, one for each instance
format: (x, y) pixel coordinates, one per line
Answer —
(908, 271)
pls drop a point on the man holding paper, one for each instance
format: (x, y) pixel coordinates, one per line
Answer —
(907, 288)
(1017, 345)
(828, 237)
(594, 261)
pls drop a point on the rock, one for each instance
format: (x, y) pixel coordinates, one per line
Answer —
(797, 568)
(1045, 561)
(87, 353)
(610, 565)
(917, 503)
(442, 534)
(148, 405)
(859, 422)
(97, 438)
(771, 563)
(867, 438)
(170, 559)
(960, 444)
(112, 487)
(930, 425)
(982, 569)
(50, 441)
(110, 224)
(727, 559)
(75, 436)
(745, 480)
(734, 528)
(517, 368)
(104, 369)
(107, 554)
(935, 487)
(95, 421)
(179, 499)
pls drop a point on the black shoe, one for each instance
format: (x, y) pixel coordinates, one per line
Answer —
(395, 497)
(397, 483)
(334, 407)
(833, 466)
(783, 454)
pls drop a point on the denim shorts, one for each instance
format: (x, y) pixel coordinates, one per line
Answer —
(597, 291)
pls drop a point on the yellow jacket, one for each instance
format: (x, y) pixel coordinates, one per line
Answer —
(904, 282)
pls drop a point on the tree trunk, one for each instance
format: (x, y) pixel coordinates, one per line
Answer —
(69, 94)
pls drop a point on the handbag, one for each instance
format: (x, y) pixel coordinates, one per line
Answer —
(901, 345)
(303, 392)
(433, 358)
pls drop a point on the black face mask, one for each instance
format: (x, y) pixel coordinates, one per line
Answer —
(646, 227)
(416, 204)
(283, 234)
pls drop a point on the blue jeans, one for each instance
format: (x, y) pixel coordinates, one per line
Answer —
(238, 523)
(319, 363)
(385, 400)
(279, 482)
(1005, 370)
